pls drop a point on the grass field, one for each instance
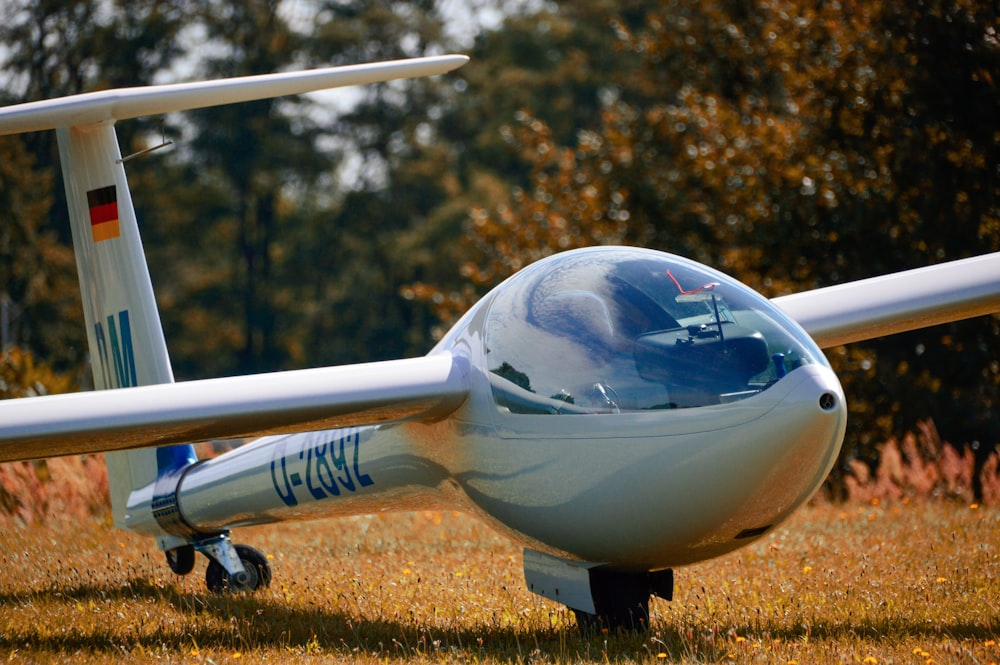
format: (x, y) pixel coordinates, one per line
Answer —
(899, 583)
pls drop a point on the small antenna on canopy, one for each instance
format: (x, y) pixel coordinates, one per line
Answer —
(701, 294)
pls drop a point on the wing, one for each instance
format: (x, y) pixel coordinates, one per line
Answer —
(898, 302)
(424, 389)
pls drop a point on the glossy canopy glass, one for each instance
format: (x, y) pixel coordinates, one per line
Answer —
(613, 330)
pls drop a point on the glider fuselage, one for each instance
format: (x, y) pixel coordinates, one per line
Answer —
(630, 463)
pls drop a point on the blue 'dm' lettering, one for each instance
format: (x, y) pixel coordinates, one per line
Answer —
(115, 352)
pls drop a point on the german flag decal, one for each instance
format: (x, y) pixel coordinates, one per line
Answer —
(103, 204)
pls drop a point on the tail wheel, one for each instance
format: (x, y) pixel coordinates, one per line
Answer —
(258, 573)
(181, 559)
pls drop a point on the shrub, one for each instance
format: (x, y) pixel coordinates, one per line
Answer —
(922, 466)
(66, 487)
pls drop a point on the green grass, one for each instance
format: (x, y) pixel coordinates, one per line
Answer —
(901, 583)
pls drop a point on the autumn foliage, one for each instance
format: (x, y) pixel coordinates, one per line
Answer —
(920, 467)
(792, 145)
(63, 488)
(72, 487)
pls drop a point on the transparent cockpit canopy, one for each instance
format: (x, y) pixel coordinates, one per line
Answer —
(611, 330)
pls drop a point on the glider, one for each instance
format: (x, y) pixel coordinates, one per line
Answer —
(618, 411)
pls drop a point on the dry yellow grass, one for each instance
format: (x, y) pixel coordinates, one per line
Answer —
(901, 583)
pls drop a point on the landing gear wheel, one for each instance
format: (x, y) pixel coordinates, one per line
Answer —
(258, 573)
(621, 601)
(625, 618)
(181, 559)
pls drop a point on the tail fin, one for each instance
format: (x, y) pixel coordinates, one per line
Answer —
(126, 342)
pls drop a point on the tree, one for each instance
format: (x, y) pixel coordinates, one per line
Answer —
(222, 273)
(794, 145)
(860, 165)
(362, 244)
(555, 65)
(38, 296)
(54, 49)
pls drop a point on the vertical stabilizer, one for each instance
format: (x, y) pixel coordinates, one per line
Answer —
(123, 327)
(126, 342)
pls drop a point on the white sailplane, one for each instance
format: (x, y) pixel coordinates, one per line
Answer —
(618, 411)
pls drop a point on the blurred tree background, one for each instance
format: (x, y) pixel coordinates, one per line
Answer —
(790, 143)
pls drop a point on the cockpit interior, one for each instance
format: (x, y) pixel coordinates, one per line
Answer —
(633, 331)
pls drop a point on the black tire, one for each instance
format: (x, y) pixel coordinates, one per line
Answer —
(258, 573)
(628, 619)
(621, 601)
(181, 559)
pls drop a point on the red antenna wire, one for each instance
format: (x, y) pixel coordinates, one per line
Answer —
(704, 287)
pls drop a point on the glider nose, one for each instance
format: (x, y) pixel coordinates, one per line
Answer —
(808, 428)
(761, 473)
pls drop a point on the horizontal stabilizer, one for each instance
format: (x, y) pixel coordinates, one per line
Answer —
(123, 103)
(898, 302)
(424, 388)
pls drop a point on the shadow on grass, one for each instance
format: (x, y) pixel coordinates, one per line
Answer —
(254, 622)
(258, 623)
